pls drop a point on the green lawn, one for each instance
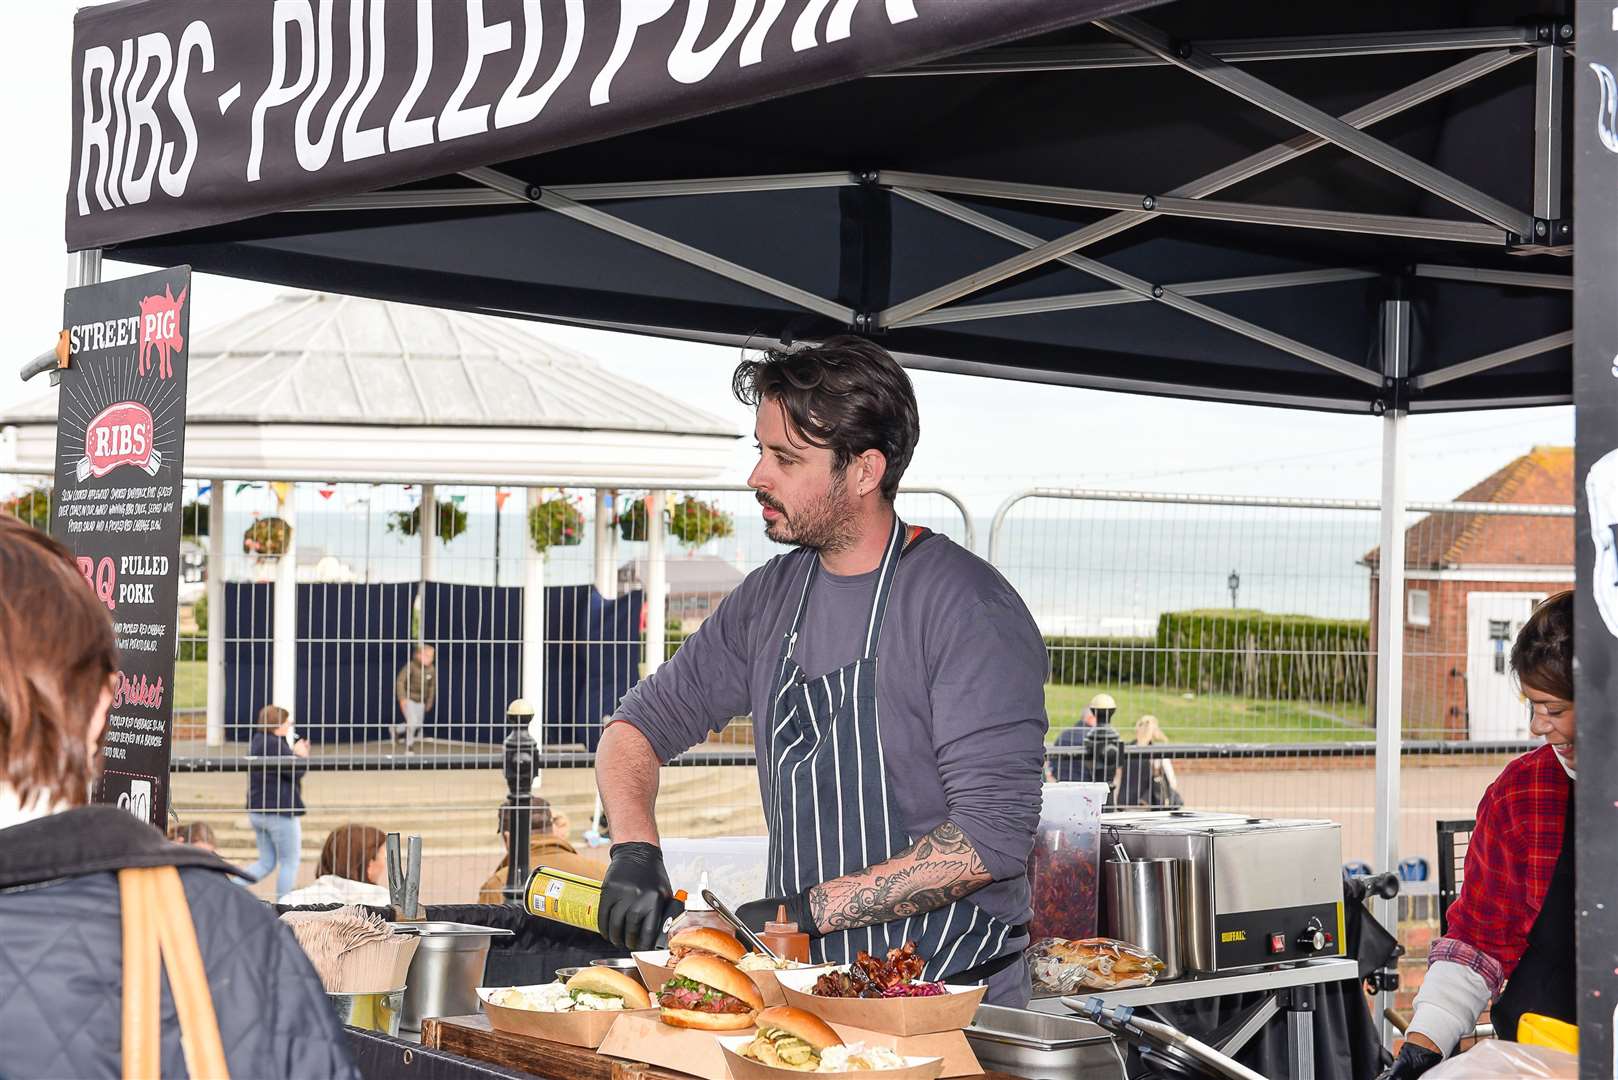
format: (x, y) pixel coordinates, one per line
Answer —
(1207, 718)
(191, 684)
(1212, 718)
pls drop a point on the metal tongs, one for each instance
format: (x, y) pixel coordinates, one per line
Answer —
(404, 881)
(746, 934)
(1160, 1040)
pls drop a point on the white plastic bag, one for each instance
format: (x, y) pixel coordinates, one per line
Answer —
(1494, 1059)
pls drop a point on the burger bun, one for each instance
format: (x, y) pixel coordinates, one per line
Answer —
(805, 1025)
(704, 1021)
(722, 976)
(709, 940)
(609, 983)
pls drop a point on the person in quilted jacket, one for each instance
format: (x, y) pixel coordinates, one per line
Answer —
(61, 947)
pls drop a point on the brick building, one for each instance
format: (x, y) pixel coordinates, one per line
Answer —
(1470, 581)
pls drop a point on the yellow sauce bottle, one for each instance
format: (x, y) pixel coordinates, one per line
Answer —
(567, 898)
(564, 897)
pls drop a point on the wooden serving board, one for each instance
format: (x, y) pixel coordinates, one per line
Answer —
(472, 1037)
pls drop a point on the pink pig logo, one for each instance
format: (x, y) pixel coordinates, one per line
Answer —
(160, 329)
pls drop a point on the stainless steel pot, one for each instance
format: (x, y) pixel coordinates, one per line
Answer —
(1144, 907)
(446, 971)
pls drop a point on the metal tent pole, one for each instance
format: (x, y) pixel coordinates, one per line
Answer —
(1390, 611)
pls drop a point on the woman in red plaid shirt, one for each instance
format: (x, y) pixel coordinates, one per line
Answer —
(1510, 936)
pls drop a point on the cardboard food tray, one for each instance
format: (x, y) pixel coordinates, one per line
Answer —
(640, 1036)
(948, 1011)
(743, 1068)
(655, 970)
(582, 1029)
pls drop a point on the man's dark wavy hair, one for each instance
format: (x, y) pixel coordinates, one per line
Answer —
(846, 395)
(1542, 656)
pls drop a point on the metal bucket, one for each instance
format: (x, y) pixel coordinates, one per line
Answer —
(1144, 907)
(378, 1011)
(446, 971)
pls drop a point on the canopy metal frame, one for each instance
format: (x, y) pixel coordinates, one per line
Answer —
(1540, 230)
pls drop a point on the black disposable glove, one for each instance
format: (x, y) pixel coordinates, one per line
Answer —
(1412, 1061)
(756, 913)
(636, 899)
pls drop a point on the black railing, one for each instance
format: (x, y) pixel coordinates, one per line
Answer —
(743, 755)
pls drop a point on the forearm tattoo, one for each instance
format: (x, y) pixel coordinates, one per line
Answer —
(934, 872)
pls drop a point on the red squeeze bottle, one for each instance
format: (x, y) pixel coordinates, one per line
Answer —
(784, 938)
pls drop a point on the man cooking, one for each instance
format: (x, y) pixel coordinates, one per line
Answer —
(896, 685)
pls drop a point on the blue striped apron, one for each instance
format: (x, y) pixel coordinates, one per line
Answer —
(827, 803)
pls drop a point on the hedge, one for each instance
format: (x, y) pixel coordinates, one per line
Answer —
(1242, 652)
(1091, 661)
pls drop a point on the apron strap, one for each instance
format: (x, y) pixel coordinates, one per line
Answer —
(987, 970)
(810, 573)
(898, 539)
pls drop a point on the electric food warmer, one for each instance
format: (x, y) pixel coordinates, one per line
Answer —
(1259, 891)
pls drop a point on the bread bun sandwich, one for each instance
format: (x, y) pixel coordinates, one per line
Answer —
(704, 940)
(603, 989)
(709, 994)
(790, 1038)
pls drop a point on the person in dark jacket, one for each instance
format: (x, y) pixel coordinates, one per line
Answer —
(61, 927)
(275, 797)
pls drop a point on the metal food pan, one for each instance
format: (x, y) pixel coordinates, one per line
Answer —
(1042, 1046)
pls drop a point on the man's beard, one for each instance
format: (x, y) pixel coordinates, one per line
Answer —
(825, 525)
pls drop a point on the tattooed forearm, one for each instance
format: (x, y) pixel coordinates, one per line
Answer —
(935, 871)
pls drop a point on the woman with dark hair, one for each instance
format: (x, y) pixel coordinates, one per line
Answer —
(1509, 946)
(68, 869)
(353, 869)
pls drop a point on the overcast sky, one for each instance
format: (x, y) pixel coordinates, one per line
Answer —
(982, 437)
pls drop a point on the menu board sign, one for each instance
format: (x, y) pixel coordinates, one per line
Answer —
(120, 448)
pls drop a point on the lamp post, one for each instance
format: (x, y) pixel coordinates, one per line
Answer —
(521, 766)
(1234, 584)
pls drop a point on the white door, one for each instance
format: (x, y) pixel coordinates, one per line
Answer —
(1495, 708)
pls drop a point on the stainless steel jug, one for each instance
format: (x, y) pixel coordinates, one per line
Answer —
(1144, 898)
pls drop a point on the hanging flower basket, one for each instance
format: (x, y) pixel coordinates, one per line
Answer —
(268, 536)
(556, 522)
(451, 521)
(632, 521)
(694, 522)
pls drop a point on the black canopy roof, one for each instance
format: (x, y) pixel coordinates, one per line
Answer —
(848, 194)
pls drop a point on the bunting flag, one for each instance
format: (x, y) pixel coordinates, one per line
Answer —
(457, 499)
(203, 490)
(326, 493)
(500, 498)
(282, 489)
(243, 487)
